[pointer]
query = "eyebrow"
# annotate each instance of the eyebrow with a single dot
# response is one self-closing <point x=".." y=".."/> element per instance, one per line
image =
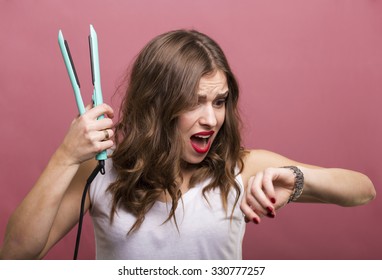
<point x="202" y="97"/>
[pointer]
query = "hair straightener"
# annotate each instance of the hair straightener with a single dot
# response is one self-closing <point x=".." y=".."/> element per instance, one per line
<point x="97" y="100"/>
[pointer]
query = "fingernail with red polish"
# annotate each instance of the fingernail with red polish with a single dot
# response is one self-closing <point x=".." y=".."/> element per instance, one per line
<point x="271" y="215"/>
<point x="270" y="212"/>
<point x="255" y="220"/>
<point x="273" y="200"/>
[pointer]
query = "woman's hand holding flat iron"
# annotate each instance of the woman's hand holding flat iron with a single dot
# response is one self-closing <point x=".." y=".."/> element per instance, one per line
<point x="88" y="136"/>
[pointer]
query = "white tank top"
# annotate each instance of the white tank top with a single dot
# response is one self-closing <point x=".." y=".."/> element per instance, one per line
<point x="205" y="230"/>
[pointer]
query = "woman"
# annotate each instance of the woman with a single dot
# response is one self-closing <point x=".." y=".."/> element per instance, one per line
<point x="178" y="184"/>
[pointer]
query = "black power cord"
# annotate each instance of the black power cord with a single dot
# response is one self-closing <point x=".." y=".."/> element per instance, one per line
<point x="99" y="169"/>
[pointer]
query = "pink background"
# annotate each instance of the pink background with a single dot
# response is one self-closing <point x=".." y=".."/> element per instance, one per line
<point x="310" y="75"/>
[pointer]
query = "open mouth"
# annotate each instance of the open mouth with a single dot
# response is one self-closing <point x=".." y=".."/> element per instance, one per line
<point x="201" y="141"/>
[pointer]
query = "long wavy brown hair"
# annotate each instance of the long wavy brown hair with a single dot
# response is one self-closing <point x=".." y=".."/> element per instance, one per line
<point x="163" y="83"/>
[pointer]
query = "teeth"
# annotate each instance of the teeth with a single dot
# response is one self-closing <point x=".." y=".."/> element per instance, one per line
<point x="203" y="136"/>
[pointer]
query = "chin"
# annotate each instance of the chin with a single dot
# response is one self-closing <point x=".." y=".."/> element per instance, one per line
<point x="193" y="160"/>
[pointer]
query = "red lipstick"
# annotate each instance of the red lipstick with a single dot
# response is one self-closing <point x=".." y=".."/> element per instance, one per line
<point x="201" y="141"/>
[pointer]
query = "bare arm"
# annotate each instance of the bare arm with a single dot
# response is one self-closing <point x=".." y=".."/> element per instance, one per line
<point x="47" y="213"/>
<point x="51" y="208"/>
<point x="269" y="187"/>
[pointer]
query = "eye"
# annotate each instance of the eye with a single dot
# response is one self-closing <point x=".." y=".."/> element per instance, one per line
<point x="219" y="103"/>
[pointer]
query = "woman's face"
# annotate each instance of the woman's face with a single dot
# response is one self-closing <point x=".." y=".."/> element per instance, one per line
<point x="200" y="125"/>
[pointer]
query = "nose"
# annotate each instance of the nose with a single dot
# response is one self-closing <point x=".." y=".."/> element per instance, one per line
<point x="208" y="116"/>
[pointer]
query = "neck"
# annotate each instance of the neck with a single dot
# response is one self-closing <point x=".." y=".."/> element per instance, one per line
<point x="187" y="169"/>
<point x="186" y="172"/>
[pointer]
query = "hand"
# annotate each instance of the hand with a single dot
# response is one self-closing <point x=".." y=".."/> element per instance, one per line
<point x="266" y="192"/>
<point x="86" y="136"/>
